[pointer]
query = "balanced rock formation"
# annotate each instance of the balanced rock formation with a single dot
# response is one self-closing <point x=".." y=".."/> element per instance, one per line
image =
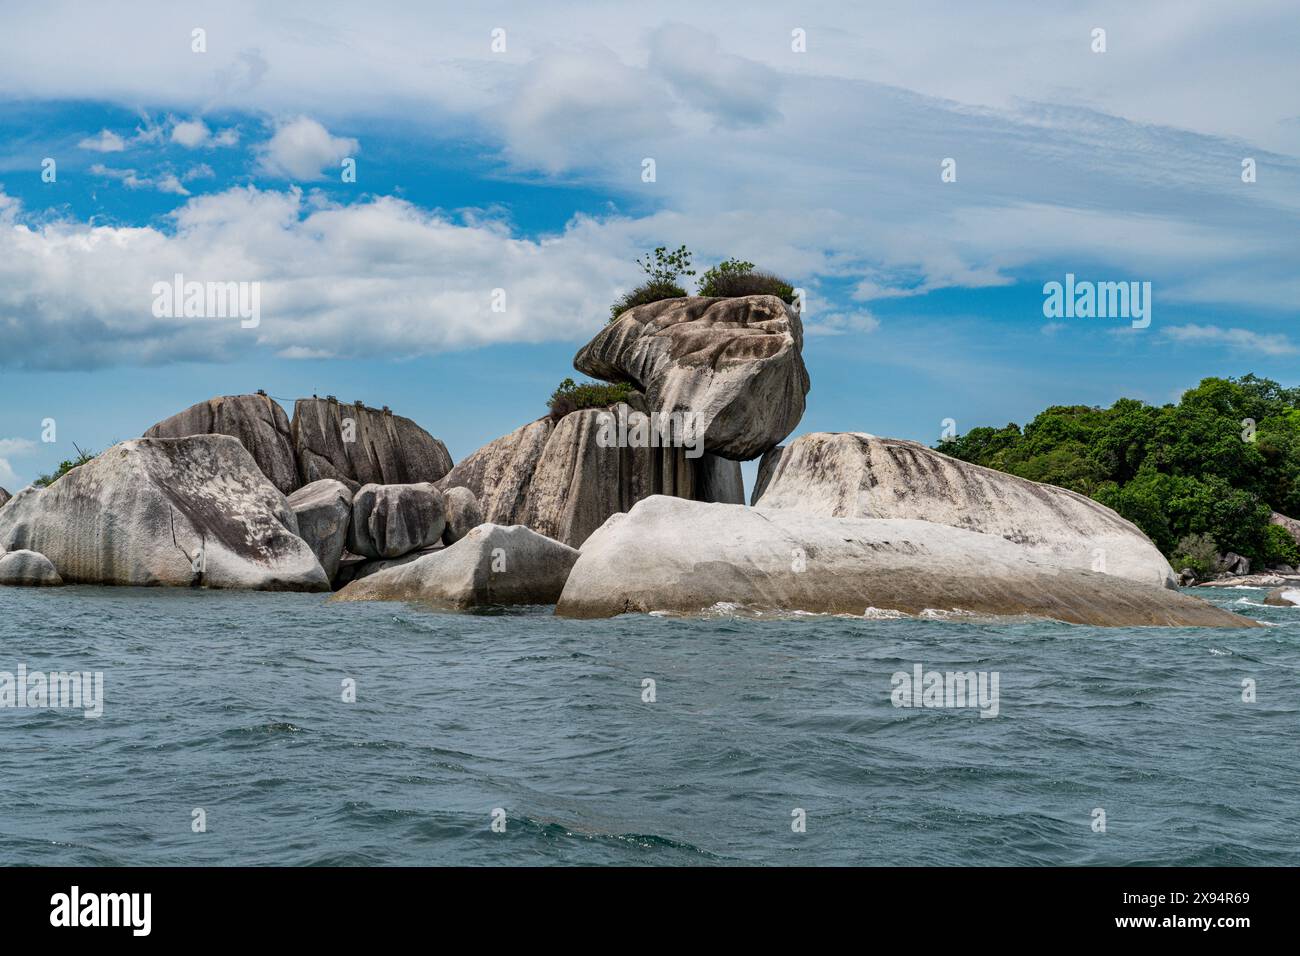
<point x="257" y="421"/>
<point x="28" y="569"/>
<point x="324" y="513"/>
<point x="359" y="445"/>
<point x="560" y="479"/>
<point x="855" y="475"/>
<point x="463" y="514"/>
<point x="1285" y="596"/>
<point x="736" y="363"/>
<point x="389" y="521"/>
<point x="679" y="556"/>
<point x="490" y="565"/>
<point x="166" y="511"/>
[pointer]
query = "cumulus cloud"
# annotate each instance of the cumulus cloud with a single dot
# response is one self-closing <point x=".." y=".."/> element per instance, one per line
<point x="10" y="448"/>
<point x="300" y="148"/>
<point x="376" y="278"/>
<point x="190" y="133"/>
<point x="733" y="90"/>
<point x="106" y="142"/>
<point x="840" y="323"/>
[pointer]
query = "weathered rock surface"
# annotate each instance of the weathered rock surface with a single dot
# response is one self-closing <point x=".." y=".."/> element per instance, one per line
<point x="389" y="521"/>
<point x="146" y="511"/>
<point x="1290" y="524"/>
<point x="855" y="475"/>
<point x="766" y="465"/>
<point x="258" y="422"/>
<point x="559" y="480"/>
<point x="324" y="513"/>
<point x="4" y="497"/>
<point x="28" y="569"/>
<point x="359" y="445"/>
<point x="369" y="566"/>
<point x="463" y="514"/>
<point x="737" y="363"/>
<point x="1286" y="596"/>
<point x="671" y="555"/>
<point x="1234" y="565"/>
<point x="490" y="565"/>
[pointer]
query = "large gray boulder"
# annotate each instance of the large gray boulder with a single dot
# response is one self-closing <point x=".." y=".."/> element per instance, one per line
<point x="389" y="521"/>
<point x="855" y="475"/>
<point x="166" y="511"/>
<point x="736" y="363"/>
<point x="28" y="569"/>
<point x="679" y="556"/>
<point x="560" y="480"/>
<point x="324" y="513"/>
<point x="463" y="514"/>
<point x="491" y="565"/>
<point x="258" y="422"/>
<point x="359" y="445"/>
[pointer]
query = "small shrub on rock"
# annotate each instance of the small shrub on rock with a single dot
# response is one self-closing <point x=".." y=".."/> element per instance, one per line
<point x="735" y="277"/>
<point x="664" y="268"/>
<point x="574" y="396"/>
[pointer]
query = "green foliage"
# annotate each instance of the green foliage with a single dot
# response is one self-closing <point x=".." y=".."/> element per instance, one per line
<point x="664" y="267"/>
<point x="1215" y="464"/>
<point x="644" y="294"/>
<point x="44" y="481"/>
<point x="1198" y="552"/>
<point x="1280" y="547"/>
<point x="735" y="277"/>
<point x="573" y="396"/>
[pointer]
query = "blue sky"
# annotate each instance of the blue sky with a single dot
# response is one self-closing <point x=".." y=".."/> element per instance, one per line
<point x="522" y="170"/>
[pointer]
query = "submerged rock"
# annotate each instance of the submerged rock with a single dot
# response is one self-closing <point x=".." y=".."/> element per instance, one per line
<point x="679" y="556"/>
<point x="359" y="445"/>
<point x="855" y="475"/>
<point x="463" y="514"/>
<point x="1285" y="596"/>
<point x="736" y="363"/>
<point x="389" y="521"/>
<point x="28" y="569"/>
<point x="166" y="511"/>
<point x="324" y="513"/>
<point x="257" y="421"/>
<point x="490" y="565"/>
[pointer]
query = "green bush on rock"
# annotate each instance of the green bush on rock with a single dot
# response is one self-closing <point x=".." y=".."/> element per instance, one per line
<point x="573" y="396"/>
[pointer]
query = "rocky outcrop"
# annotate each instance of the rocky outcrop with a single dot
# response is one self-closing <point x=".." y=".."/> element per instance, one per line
<point x="463" y="514"/>
<point x="736" y="363"/>
<point x="166" y="511"/>
<point x="679" y="556"/>
<point x="258" y="422"/>
<point x="4" y="497"/>
<point x="389" y="521"/>
<point x="359" y="445"/>
<point x="561" y="481"/>
<point x="28" y="569"/>
<point x="1234" y="565"/>
<point x="766" y="465"/>
<point x="1290" y="524"/>
<point x="1286" y="596"/>
<point x="369" y="566"/>
<point x="324" y="513"/>
<point x="491" y="565"/>
<point x="855" y="475"/>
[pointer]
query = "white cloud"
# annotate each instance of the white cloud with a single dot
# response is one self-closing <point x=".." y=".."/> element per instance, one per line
<point x="11" y="447"/>
<point x="166" y="183"/>
<point x="301" y="147"/>
<point x="190" y="133"/>
<point x="1238" y="339"/>
<point x="839" y="323"/>
<point x="376" y="278"/>
<point x="106" y="142"/>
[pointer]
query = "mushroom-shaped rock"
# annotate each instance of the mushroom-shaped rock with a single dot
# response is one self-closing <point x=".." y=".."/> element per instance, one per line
<point x="166" y="511"/>
<point x="257" y="421"/>
<point x="463" y="514"/>
<point x="360" y="445"/>
<point x="324" y="513"/>
<point x="736" y="364"/>
<point x="389" y="521"/>
<point x="679" y="556"/>
<point x="28" y="569"/>
<point x="490" y="565"/>
<point x="855" y="475"/>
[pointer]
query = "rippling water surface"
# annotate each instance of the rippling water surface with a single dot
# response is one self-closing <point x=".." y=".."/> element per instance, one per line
<point x="231" y="702"/>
